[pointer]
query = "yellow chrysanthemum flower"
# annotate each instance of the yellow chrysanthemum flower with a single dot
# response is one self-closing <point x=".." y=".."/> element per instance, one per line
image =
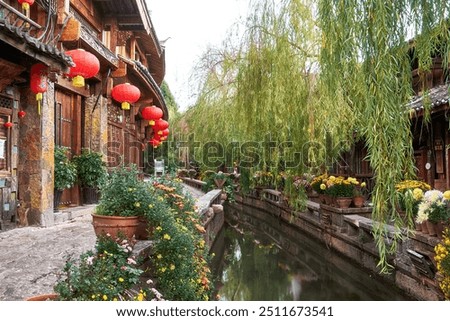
<point x="447" y="195"/>
<point x="121" y="280"/>
<point x="166" y="236"/>
<point x="417" y="194"/>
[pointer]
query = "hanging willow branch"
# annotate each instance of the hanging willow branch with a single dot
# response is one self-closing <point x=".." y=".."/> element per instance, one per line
<point x="271" y="86"/>
<point x="365" y="52"/>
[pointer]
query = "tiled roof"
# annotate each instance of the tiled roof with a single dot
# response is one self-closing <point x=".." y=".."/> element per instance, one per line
<point x="438" y="96"/>
<point x="146" y="73"/>
<point x="46" y="49"/>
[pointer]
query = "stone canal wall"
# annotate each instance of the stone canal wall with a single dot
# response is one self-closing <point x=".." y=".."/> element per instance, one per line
<point x="349" y="232"/>
<point x="210" y="209"/>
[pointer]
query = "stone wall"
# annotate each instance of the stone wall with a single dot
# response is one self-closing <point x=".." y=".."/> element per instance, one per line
<point x="350" y="233"/>
<point x="96" y="124"/>
<point x="36" y="159"/>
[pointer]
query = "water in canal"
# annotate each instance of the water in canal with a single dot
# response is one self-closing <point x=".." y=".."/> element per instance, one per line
<point x="260" y="258"/>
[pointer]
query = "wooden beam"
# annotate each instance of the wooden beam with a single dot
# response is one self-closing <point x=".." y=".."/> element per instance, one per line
<point x="9" y="72"/>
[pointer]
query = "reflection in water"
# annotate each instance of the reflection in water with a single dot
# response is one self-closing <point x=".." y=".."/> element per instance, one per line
<point x="259" y="258"/>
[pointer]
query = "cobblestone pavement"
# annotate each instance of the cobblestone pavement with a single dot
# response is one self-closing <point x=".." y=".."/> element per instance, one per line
<point x="31" y="257"/>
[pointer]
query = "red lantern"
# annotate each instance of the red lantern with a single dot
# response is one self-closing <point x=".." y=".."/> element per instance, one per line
<point x="38" y="82"/>
<point x="86" y="66"/>
<point x="164" y="134"/>
<point x="126" y="94"/>
<point x="154" y="142"/>
<point x="21" y="114"/>
<point x="159" y="126"/>
<point x="151" y="113"/>
<point x="26" y="4"/>
<point x="8" y="124"/>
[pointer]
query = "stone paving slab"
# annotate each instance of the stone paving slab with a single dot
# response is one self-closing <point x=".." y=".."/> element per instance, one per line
<point x="32" y="257"/>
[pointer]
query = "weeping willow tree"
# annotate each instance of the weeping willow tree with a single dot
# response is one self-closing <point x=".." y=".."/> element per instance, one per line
<point x="261" y="94"/>
<point x="366" y="53"/>
<point x="313" y="76"/>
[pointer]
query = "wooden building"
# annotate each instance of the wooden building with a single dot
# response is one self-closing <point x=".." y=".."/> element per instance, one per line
<point x="431" y="138"/>
<point x="120" y="34"/>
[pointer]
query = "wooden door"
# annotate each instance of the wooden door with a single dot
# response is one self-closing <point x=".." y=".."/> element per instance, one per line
<point x="68" y="134"/>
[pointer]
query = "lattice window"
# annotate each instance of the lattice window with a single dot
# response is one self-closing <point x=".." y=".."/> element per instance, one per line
<point x="6" y="102"/>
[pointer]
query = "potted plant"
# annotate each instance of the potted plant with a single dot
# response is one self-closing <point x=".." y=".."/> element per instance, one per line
<point x="358" y="195"/>
<point x="109" y="273"/>
<point x="341" y="189"/>
<point x="433" y="210"/>
<point x="410" y="195"/>
<point x="91" y="171"/>
<point x="124" y="199"/>
<point x="65" y="173"/>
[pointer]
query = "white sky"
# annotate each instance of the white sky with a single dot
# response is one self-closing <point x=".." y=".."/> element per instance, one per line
<point x="192" y="26"/>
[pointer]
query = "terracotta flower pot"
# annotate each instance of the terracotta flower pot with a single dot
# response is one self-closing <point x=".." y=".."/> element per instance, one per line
<point x="116" y="226"/>
<point x="424" y="227"/>
<point x="343" y="202"/>
<point x="439" y="229"/>
<point x="43" y="297"/>
<point x="358" y="201"/>
<point x="431" y="228"/>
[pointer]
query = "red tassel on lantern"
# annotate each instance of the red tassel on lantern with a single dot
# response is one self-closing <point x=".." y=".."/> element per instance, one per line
<point x="126" y="94"/>
<point x="38" y="82"/>
<point x="151" y="113"/>
<point x="86" y="66"/>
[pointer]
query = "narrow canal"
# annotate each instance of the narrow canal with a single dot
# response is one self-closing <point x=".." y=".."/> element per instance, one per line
<point x="258" y="257"/>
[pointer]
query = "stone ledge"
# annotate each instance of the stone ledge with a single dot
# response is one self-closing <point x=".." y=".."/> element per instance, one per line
<point x="68" y="214"/>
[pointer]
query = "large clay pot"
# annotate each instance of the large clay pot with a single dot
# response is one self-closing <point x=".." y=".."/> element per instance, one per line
<point x="43" y="297"/>
<point x="115" y="226"/>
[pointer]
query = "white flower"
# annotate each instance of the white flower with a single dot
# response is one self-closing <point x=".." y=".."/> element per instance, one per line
<point x="433" y="196"/>
<point x="421" y="217"/>
<point x="90" y="260"/>
<point x="131" y="261"/>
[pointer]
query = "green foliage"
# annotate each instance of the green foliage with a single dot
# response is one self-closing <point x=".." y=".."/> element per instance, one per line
<point x="366" y="56"/>
<point x="180" y="256"/>
<point x="90" y="168"/>
<point x="442" y="258"/>
<point x="108" y="273"/>
<point x="65" y="170"/>
<point x="123" y="194"/>
<point x="322" y="83"/>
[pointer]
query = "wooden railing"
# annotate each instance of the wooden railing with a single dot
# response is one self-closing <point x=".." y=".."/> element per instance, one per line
<point x="11" y="17"/>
